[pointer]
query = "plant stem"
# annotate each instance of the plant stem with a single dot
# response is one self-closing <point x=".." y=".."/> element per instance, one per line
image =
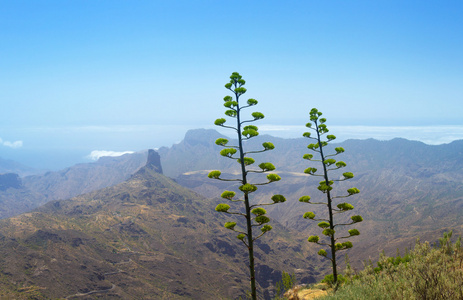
<point x="246" y="203"/>
<point x="330" y="211"/>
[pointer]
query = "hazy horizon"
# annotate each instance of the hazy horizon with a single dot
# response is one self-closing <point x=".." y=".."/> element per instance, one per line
<point x="57" y="159"/>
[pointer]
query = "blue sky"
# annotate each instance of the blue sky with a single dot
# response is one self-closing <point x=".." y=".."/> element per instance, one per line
<point x="79" y="76"/>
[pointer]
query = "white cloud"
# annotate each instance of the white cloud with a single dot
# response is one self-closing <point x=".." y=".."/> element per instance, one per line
<point x="96" y="154"/>
<point x="14" y="145"/>
<point x="432" y="135"/>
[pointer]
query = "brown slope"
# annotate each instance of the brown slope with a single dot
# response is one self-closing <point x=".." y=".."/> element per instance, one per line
<point x="146" y="238"/>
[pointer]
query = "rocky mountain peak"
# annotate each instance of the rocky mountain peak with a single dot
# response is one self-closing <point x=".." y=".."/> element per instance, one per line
<point x="205" y="137"/>
<point x="154" y="161"/>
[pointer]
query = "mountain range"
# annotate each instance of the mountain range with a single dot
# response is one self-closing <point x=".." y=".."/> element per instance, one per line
<point x="143" y="225"/>
<point x="408" y="189"/>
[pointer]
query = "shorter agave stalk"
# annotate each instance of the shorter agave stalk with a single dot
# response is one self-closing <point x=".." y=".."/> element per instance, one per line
<point x="328" y="164"/>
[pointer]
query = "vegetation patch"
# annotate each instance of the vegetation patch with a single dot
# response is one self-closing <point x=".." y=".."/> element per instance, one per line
<point x="426" y="272"/>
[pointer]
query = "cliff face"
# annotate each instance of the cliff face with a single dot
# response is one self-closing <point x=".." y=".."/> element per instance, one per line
<point x="154" y="161"/>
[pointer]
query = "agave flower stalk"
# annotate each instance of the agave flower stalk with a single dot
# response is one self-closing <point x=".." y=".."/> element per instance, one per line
<point x="328" y="226"/>
<point x="254" y="214"/>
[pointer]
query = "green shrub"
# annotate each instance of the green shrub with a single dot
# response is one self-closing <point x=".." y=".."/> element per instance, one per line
<point x="425" y="272"/>
<point x="286" y="283"/>
<point x="329" y="279"/>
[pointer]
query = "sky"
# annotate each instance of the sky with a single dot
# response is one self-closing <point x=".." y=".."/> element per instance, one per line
<point x="81" y="77"/>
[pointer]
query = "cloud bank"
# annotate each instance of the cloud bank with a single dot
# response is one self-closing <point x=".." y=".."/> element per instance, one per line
<point x="96" y="154"/>
<point x="14" y="145"/>
<point x="431" y="135"/>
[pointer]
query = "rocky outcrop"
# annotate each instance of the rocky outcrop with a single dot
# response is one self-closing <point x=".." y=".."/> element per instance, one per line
<point x="154" y="161"/>
<point x="301" y="292"/>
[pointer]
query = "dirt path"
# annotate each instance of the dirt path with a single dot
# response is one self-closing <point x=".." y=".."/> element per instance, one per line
<point x="91" y="292"/>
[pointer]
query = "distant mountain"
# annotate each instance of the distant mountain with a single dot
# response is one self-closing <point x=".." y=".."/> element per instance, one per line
<point x="145" y="238"/>
<point x="86" y="177"/>
<point x="408" y="188"/>
<point x="23" y="194"/>
<point x="10" y="166"/>
<point x="197" y="151"/>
